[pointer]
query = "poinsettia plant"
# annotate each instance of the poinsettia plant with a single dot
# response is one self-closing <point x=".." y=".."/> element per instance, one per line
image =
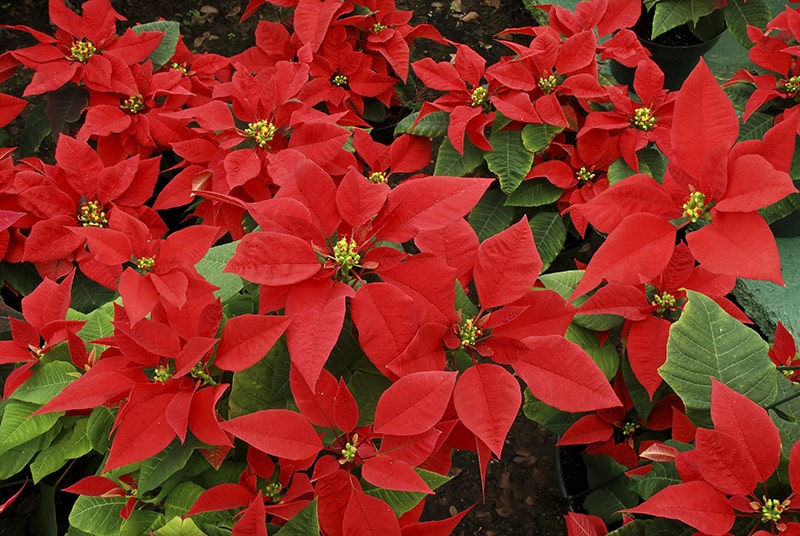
<point x="302" y="350"/>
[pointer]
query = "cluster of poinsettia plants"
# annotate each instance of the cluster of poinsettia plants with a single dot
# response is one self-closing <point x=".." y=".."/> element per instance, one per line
<point x="239" y="313"/>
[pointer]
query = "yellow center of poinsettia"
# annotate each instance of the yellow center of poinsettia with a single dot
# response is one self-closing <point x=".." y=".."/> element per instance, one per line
<point x="479" y="95"/>
<point x="377" y="177"/>
<point x="146" y="264"/>
<point x="583" y="175"/>
<point x="771" y="510"/>
<point x="548" y="84"/>
<point x="339" y="80"/>
<point x="180" y="67"/>
<point x="91" y="214"/>
<point x="695" y="207"/>
<point x="643" y="119"/>
<point x="82" y="50"/>
<point x="133" y="104"/>
<point x="790" y="86"/>
<point x="345" y="253"/>
<point x="378" y="27"/>
<point x="349" y="451"/>
<point x="263" y="131"/>
<point x="161" y="374"/>
<point x="629" y="428"/>
<point x="469" y="333"/>
<point x="664" y="301"/>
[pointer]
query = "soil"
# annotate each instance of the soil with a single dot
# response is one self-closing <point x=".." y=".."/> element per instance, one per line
<point x="521" y="496"/>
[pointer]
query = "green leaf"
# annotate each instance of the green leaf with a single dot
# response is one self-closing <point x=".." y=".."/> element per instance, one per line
<point x="490" y="215"/>
<point x="537" y="137"/>
<point x="179" y="526"/>
<point x="742" y="13"/>
<point x="98" y="323"/>
<point x="43" y="518"/>
<point x="141" y="522"/>
<point x="779" y="210"/>
<point x="756" y="126"/>
<point x="367" y="388"/>
<point x="155" y="470"/>
<point x="562" y="282"/>
<point x="668" y="15"/>
<point x="661" y="476"/>
<point x="37" y="128"/>
<point x="555" y="420"/>
<point x="606" y="356"/>
<point x="549" y="233"/>
<point x="451" y="164"/>
<point x="706" y="342"/>
<point x="22" y="277"/>
<point x="18" y="427"/>
<point x="464" y="303"/>
<point x="403" y="501"/>
<point x="252" y="388"/>
<point x="71" y="444"/>
<point x="211" y="266"/>
<point x="165" y="50"/>
<point x="431" y="126"/>
<point x="48" y="380"/>
<point x="612" y="491"/>
<point x="98" y="515"/>
<point x="66" y="105"/>
<point x="303" y="523"/>
<point x="534" y="193"/>
<point x="99" y="428"/>
<point x="88" y="295"/>
<point x="510" y="160"/>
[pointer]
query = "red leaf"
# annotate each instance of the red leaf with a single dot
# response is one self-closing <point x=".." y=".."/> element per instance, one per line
<point x="724" y="464"/>
<point x="588" y="429"/>
<point x="369" y="516"/>
<point x="345" y="408"/>
<point x="739" y="244"/>
<point x="456" y="244"/>
<point x="696" y="503"/>
<point x="704" y="119"/>
<point x="220" y="497"/>
<point x="203" y="420"/>
<point x="443" y="527"/>
<point x="313" y="187"/>
<point x="637" y="250"/>
<point x="10" y="500"/>
<point x="273" y="259"/>
<point x="142" y="432"/>
<point x="358" y="200"/>
<point x="507" y="265"/>
<point x="584" y="525"/>
<point x="487" y="398"/>
<point x="246" y="339"/>
<point x="96" y="486"/>
<point x="388" y="473"/>
<point x="414" y="403"/>
<point x="312" y="19"/>
<point x="794" y="467"/>
<point x="426" y="204"/>
<point x="254" y="519"/>
<point x="753" y="184"/>
<point x="615" y="299"/>
<point x="320" y="141"/>
<point x="316" y="405"/>
<point x="561" y="374"/>
<point x="277" y="432"/>
<point x="750" y="424"/>
<point x="107" y="245"/>
<point x="10" y="107"/>
<point x="318" y="307"/>
<point x="647" y="350"/>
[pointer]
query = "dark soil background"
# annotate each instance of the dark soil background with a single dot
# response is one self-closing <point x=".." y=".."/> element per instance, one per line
<point x="521" y="494"/>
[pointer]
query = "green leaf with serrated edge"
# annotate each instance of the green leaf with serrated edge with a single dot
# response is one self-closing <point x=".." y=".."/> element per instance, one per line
<point x="537" y="137"/>
<point x="72" y="443"/>
<point x="564" y="283"/>
<point x="178" y="526"/>
<point x="251" y="388"/>
<point x="490" y="216"/>
<point x="549" y="233"/>
<point x="777" y="211"/>
<point x="98" y="515"/>
<point x="451" y="164"/>
<point x="611" y="490"/>
<point x="36" y="129"/>
<point x="639" y="395"/>
<point x="345" y="354"/>
<point x="739" y="14"/>
<point x="166" y="49"/>
<point x="367" y="388"/>
<point x="304" y="522"/>
<point x="141" y="522"/>
<point x="431" y="126"/>
<point x="99" y="428"/>
<point x="22" y="277"/>
<point x="706" y="342"/>
<point x="598" y="322"/>
<point x="668" y="15"/>
<point x="464" y="303"/>
<point x="534" y="193"/>
<point x="403" y="501"/>
<point x="155" y="470"/>
<point x="48" y="380"/>
<point x="555" y="420"/>
<point x="211" y="266"/>
<point x="17" y="458"/>
<point x="18" y="427"/>
<point x="756" y="126"/>
<point x="606" y="356"/>
<point x="181" y="498"/>
<point x="98" y="323"/>
<point x="661" y="476"/>
<point x="66" y="105"/>
<point x="510" y="160"/>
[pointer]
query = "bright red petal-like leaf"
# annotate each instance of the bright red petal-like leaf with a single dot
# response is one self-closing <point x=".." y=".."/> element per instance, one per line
<point x="107" y="245"/>
<point x="507" y="265"/>
<point x="96" y="486"/>
<point x="637" y="250"/>
<point x="143" y="432"/>
<point x="273" y="259"/>
<point x="312" y="19"/>
<point x="278" y="432"/>
<point x="794" y="467"/>
<point x="316" y="405"/>
<point x="703" y="120"/>
<point x="456" y="244"/>
<point x="14" y="497"/>
<point x="696" y="503"/>
<point x="443" y="527"/>
<point x="487" y="398"/>
<point x="647" y="350"/>
<point x="358" y="200"/>
<point x="750" y="424"/>
<point x="584" y="525"/>
<point x="345" y="408"/>
<point x="247" y="338"/>
<point x="203" y="419"/>
<point x="220" y="497"/>
<point x="254" y="519"/>
<point x="414" y="403"/>
<point x="426" y="204"/>
<point x="10" y="107"/>
<point x="753" y="184"/>
<point x="724" y="464"/>
<point x="138" y="293"/>
<point x="389" y="473"/>
<point x="369" y="516"/>
<point x="561" y="374"/>
<point x="588" y="429"/>
<point x="739" y="244"/>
